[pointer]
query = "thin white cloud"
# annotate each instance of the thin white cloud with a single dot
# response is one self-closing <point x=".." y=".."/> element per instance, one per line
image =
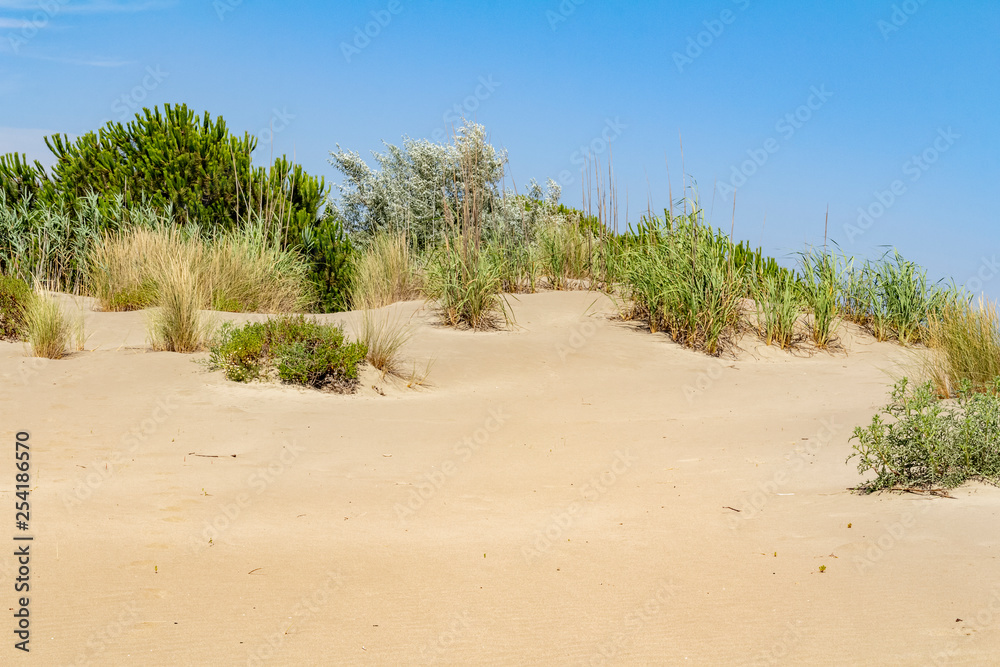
<point x="88" y="62"/>
<point x="13" y="24"/>
<point x="91" y="7"/>
<point x="29" y="141"/>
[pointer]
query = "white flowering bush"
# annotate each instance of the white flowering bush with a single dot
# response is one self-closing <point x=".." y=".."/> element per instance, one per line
<point x="415" y="183"/>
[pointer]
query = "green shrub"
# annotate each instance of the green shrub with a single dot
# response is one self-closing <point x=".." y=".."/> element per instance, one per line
<point x="331" y="255"/>
<point x="927" y="443"/>
<point x="15" y="296"/>
<point x="295" y="349"/>
<point x="178" y="161"/>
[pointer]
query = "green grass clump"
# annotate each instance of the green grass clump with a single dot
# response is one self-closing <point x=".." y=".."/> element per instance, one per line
<point x="822" y="278"/>
<point x="565" y="251"/>
<point x="467" y="285"/>
<point x="893" y="299"/>
<point x="926" y="443"/>
<point x="294" y="349"/>
<point x="779" y="302"/>
<point x="517" y="262"/>
<point x="15" y="296"/>
<point x="47" y="329"/>
<point x="680" y="276"/>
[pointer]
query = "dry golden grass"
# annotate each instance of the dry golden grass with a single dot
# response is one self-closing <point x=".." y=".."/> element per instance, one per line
<point x="177" y="325"/>
<point x="384" y="335"/>
<point x="965" y="344"/>
<point x="240" y="271"/>
<point x="386" y="272"/>
<point x="47" y="329"/>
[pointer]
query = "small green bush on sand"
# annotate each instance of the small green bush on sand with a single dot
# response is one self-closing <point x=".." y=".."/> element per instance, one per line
<point x="926" y="443"/>
<point x="295" y="349"/>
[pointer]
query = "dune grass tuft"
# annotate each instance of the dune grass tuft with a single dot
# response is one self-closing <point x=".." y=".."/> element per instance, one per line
<point x="779" y="304"/>
<point x="965" y="347"/>
<point x="384" y="337"/>
<point x="125" y="266"/>
<point x="680" y="276"/>
<point x="565" y="253"/>
<point x="47" y="329"/>
<point x="242" y="270"/>
<point x="15" y="295"/>
<point x="468" y="288"/>
<point x="823" y="288"/>
<point x="386" y="272"/>
<point x="177" y="324"/>
<point x="893" y="299"/>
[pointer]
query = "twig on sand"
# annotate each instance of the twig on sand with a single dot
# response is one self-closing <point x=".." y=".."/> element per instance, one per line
<point x="940" y="493"/>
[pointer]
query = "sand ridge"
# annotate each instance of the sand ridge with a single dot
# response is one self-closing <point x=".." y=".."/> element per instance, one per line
<point x="568" y="491"/>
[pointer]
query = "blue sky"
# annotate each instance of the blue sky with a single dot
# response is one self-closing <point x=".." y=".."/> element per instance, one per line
<point x="887" y="109"/>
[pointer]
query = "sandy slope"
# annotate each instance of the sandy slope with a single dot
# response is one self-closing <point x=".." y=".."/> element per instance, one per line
<point x="556" y="497"/>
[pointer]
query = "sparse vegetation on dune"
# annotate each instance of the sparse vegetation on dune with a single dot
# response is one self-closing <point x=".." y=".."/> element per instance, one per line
<point x="294" y="349"/>
<point x="920" y="442"/>
<point x="437" y="221"/>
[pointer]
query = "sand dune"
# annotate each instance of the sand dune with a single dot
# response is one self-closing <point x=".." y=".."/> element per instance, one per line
<point x="571" y="491"/>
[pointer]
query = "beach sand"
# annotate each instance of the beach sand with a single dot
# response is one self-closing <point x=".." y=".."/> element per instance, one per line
<point x="573" y="490"/>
